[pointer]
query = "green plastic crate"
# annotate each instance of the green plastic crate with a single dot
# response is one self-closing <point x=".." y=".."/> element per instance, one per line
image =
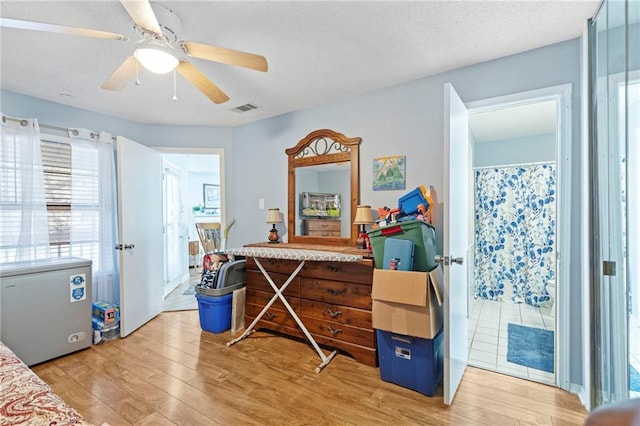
<point x="423" y="236"/>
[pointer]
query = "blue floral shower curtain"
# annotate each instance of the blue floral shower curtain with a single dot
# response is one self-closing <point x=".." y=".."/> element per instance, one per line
<point x="515" y="231"/>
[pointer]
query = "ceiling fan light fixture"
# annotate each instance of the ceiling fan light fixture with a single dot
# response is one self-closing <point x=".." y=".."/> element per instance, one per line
<point x="156" y="59"/>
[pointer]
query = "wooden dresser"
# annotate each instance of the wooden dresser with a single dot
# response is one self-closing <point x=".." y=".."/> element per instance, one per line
<point x="321" y="227"/>
<point x="333" y="300"/>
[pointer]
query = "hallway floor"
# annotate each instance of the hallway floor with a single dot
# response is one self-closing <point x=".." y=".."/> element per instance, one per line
<point x="487" y="335"/>
<point x="177" y="301"/>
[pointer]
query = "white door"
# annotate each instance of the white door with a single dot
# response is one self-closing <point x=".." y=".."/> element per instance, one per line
<point x="140" y="233"/>
<point x="174" y="241"/>
<point x="456" y="238"/>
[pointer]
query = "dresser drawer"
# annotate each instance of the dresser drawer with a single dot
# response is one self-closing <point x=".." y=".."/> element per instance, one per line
<point x="321" y="225"/>
<point x="323" y="233"/>
<point x="336" y="313"/>
<point x="273" y="265"/>
<point x="261" y="298"/>
<point x="336" y="293"/>
<point x="257" y="281"/>
<point x="338" y="331"/>
<point x="273" y="315"/>
<point x="354" y="272"/>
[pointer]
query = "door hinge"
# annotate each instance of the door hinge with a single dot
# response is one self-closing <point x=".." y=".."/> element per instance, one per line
<point x="609" y="268"/>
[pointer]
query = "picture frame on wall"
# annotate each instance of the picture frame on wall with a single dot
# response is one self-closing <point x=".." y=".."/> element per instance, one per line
<point x="389" y="173"/>
<point x="210" y="196"/>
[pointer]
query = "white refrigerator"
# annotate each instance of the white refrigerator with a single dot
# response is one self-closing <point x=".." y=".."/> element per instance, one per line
<point x="45" y="307"/>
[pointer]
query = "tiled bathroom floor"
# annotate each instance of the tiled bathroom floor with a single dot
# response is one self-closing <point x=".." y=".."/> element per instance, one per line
<point x="634" y="349"/>
<point x="487" y="334"/>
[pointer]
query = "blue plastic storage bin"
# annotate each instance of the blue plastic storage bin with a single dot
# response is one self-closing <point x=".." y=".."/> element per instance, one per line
<point x="215" y="312"/>
<point x="411" y="362"/>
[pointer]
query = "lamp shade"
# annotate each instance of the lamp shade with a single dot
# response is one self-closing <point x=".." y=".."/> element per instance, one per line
<point x="156" y="59"/>
<point x="363" y="216"/>
<point x="273" y="216"/>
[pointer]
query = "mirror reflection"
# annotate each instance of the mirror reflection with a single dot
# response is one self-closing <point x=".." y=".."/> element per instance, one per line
<point x="322" y="204"/>
<point x="323" y="189"/>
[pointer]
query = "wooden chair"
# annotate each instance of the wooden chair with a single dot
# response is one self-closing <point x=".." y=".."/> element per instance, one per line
<point x="209" y="234"/>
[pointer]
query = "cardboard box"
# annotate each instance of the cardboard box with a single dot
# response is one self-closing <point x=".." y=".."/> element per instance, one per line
<point x="106" y="312"/>
<point x="408" y="302"/>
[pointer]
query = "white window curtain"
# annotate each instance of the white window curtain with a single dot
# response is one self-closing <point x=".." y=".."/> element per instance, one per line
<point x="23" y="220"/>
<point x="93" y="209"/>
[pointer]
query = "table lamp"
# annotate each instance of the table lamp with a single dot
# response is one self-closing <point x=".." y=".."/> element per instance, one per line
<point x="273" y="217"/>
<point x="363" y="217"/>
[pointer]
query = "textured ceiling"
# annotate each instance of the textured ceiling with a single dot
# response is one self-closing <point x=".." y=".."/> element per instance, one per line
<point x="317" y="51"/>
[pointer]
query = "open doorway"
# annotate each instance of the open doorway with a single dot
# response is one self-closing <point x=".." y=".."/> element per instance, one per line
<point x="513" y="298"/>
<point x="193" y="193"/>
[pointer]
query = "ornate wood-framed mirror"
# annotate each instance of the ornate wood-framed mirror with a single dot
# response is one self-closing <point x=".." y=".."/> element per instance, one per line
<point x="324" y="189"/>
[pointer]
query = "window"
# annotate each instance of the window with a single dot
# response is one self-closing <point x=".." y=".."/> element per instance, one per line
<point x="56" y="163"/>
<point x="71" y="190"/>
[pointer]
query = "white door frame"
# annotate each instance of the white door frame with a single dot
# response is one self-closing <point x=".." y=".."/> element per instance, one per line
<point x="170" y="283"/>
<point x="205" y="151"/>
<point x="562" y="94"/>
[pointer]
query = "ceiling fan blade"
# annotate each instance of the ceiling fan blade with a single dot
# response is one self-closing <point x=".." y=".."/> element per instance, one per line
<point x="226" y="56"/>
<point x="195" y="77"/>
<point x="120" y="77"/>
<point x="142" y="14"/>
<point x="52" y="28"/>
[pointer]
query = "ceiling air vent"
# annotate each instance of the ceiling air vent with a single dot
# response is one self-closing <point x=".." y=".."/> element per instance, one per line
<point x="245" y="108"/>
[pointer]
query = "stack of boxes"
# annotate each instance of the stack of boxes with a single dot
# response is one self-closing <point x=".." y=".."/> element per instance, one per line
<point x="407" y="308"/>
<point x="105" y="320"/>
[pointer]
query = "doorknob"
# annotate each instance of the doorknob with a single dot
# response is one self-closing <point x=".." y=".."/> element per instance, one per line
<point x="441" y="259"/>
<point x="125" y="246"/>
<point x="448" y="260"/>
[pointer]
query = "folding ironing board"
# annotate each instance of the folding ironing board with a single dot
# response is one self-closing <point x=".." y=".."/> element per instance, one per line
<point x="289" y="254"/>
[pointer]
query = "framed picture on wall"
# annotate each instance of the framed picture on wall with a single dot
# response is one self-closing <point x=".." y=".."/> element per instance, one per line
<point x="389" y="173"/>
<point x="211" y="196"/>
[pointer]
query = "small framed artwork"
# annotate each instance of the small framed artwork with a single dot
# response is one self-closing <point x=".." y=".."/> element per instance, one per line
<point x="389" y="173"/>
<point x="211" y="196"/>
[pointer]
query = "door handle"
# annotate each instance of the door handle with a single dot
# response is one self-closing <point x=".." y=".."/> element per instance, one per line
<point x="448" y="260"/>
<point x="125" y="246"/>
<point x="441" y="259"/>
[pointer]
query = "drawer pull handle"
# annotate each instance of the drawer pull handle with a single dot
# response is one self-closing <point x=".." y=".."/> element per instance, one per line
<point x="334" y="314"/>
<point x="333" y="268"/>
<point x="333" y="332"/>
<point x="270" y="261"/>
<point x="336" y="292"/>
<point x="270" y="315"/>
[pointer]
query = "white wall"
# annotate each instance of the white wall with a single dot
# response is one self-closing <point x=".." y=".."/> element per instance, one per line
<point x="534" y="149"/>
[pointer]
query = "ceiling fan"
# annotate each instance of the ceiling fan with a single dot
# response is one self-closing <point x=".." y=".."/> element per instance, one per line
<point x="159" y="49"/>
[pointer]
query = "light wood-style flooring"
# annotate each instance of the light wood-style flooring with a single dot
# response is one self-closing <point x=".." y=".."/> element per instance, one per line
<point x="169" y="372"/>
<point x="177" y="300"/>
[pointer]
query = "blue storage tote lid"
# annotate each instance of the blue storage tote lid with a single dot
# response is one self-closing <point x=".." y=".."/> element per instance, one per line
<point x="408" y="203"/>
